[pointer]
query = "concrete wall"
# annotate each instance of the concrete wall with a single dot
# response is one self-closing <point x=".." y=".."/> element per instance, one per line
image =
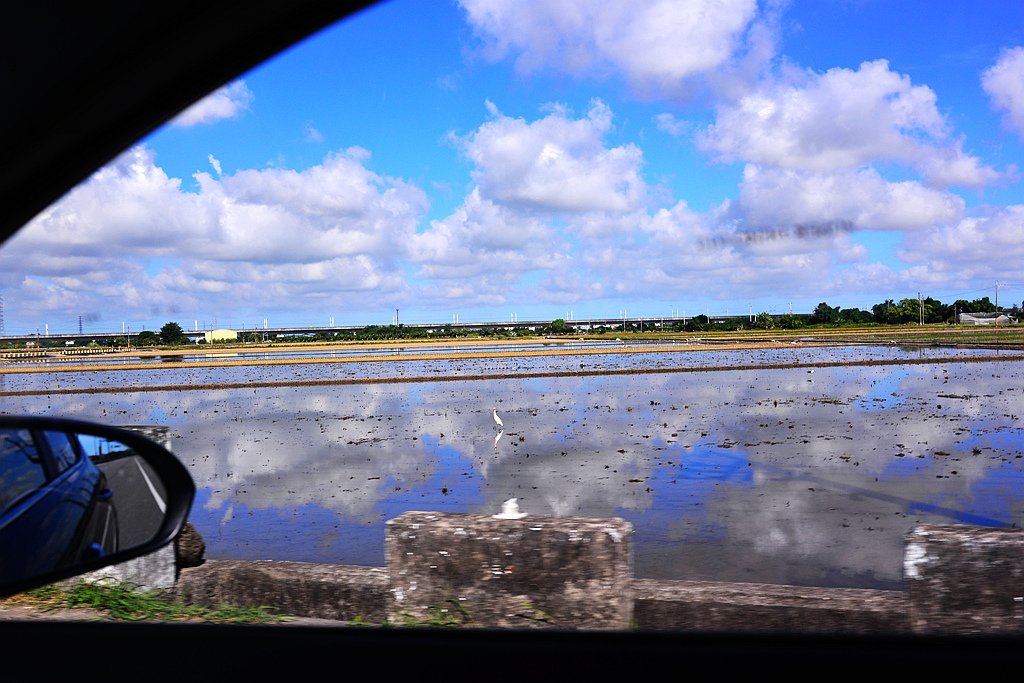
<point x="473" y="570"/>
<point x="964" y="580"/>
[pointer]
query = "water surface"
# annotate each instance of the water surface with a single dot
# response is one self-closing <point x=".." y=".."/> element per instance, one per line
<point x="777" y="476"/>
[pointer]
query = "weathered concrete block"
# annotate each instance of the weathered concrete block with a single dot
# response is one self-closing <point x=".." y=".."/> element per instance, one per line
<point x="965" y="579"/>
<point x="766" y="608"/>
<point x="156" y="571"/>
<point x="322" y="591"/>
<point x="534" y="572"/>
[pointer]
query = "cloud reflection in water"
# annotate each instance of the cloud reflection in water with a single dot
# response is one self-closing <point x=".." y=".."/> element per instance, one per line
<point x="755" y="475"/>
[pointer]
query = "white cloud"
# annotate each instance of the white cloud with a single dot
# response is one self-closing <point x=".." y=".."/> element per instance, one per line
<point x="977" y="248"/>
<point x="657" y="43"/>
<point x="131" y="238"/>
<point x="1004" y="83"/>
<point x="482" y="251"/>
<point x="678" y="253"/>
<point x="667" y="123"/>
<point x="773" y="198"/>
<point x="843" y="119"/>
<point x="226" y="102"/>
<point x="556" y="163"/>
<point x="215" y="164"/>
<point x="950" y="166"/>
<point x="312" y="134"/>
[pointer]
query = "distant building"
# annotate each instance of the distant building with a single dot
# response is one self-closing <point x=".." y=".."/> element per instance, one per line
<point x="985" y="319"/>
<point x="220" y="335"/>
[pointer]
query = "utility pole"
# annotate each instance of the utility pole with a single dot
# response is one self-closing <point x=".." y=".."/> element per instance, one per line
<point x="997" y="305"/>
<point x="920" y="309"/>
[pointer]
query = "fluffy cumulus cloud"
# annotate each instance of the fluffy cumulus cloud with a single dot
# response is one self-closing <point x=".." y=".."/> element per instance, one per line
<point x="975" y="248"/>
<point x="843" y="119"/>
<point x="710" y="253"/>
<point x="559" y="216"/>
<point x="556" y="163"/>
<point x="773" y="198"/>
<point x="1004" y="83"/>
<point x="131" y="203"/>
<point x="668" y="123"/>
<point x="489" y="244"/>
<point x="223" y="103"/>
<point x="482" y="252"/>
<point x="132" y="237"/>
<point x="656" y="43"/>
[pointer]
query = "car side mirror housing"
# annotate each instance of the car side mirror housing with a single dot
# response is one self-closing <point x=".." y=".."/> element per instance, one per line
<point x="76" y="496"/>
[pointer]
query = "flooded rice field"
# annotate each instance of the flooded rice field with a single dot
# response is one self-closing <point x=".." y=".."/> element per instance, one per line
<point x="233" y="369"/>
<point x="795" y="475"/>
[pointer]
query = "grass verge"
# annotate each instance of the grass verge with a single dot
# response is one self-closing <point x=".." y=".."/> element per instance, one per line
<point x="124" y="601"/>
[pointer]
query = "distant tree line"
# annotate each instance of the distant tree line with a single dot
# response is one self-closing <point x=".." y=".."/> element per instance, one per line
<point x="888" y="312"/>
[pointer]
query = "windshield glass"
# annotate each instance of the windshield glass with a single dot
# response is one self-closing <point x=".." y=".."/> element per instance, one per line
<point x="741" y="274"/>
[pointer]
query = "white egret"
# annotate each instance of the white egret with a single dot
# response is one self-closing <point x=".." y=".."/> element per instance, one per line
<point x="497" y="420"/>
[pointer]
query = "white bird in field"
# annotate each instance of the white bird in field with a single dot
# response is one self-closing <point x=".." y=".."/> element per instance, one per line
<point x="497" y="420"/>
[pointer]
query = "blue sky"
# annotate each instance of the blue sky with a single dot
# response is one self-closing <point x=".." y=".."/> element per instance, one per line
<point x="497" y="159"/>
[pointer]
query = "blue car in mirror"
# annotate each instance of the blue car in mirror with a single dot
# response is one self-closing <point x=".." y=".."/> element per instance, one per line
<point x="77" y="496"/>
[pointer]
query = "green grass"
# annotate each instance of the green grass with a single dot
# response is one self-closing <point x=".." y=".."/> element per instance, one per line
<point x="124" y="601"/>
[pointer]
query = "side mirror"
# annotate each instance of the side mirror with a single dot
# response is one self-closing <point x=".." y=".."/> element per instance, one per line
<point x="76" y="496"/>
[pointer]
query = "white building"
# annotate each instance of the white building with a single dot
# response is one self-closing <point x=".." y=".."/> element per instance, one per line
<point x="220" y="335"/>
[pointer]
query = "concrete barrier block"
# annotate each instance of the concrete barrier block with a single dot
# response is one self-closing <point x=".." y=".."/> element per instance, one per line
<point x="965" y="579"/>
<point x="323" y="591"/>
<point x="533" y="572"/>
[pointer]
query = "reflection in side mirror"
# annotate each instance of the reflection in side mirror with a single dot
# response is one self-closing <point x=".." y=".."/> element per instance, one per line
<point x="77" y="496"/>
